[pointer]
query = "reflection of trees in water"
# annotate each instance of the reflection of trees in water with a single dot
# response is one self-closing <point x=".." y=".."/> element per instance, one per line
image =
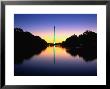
<point x="88" y="54"/>
<point x="20" y="56"/>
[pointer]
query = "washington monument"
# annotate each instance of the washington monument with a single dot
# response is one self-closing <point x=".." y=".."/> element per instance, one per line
<point x="54" y="35"/>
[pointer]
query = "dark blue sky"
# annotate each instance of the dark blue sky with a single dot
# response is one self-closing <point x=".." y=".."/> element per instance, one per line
<point x="66" y="24"/>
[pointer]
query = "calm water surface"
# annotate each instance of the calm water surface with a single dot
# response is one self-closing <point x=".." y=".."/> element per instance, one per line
<point x="56" y="61"/>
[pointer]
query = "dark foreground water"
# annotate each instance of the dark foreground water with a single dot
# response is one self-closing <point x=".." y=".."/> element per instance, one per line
<point x="56" y="61"/>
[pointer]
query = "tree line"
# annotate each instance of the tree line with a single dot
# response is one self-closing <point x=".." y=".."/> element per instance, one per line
<point x="26" y="44"/>
<point x="87" y="39"/>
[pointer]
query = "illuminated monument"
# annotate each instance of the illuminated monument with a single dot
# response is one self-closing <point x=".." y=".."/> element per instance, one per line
<point x="54" y="35"/>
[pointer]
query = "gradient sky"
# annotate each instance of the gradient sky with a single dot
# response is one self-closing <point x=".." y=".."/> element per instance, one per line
<point x="66" y="24"/>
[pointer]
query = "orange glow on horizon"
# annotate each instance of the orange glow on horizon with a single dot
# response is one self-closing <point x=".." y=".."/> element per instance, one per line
<point x="60" y="35"/>
<point x="49" y="37"/>
<point x="58" y="39"/>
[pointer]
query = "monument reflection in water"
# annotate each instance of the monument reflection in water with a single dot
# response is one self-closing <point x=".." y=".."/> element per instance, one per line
<point x="56" y="61"/>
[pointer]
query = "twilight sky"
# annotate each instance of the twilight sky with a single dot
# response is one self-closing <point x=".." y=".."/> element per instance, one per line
<point x="66" y="24"/>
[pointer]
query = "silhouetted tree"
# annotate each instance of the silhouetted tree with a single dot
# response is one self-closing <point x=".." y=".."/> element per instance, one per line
<point x="71" y="41"/>
<point x="88" y="38"/>
<point x="26" y="44"/>
<point x="85" y="45"/>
